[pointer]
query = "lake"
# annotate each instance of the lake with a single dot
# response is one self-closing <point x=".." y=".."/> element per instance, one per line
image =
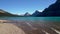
<point x="31" y="18"/>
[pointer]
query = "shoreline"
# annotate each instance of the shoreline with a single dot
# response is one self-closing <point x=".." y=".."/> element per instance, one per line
<point x="8" y="21"/>
<point x="4" y="20"/>
<point x="38" y="27"/>
<point x="8" y="28"/>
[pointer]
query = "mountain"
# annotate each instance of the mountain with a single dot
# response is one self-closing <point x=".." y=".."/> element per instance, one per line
<point x="4" y="13"/>
<point x="37" y="13"/>
<point x="26" y="14"/>
<point x="53" y="9"/>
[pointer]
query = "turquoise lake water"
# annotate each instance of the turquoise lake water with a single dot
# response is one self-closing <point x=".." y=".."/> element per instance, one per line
<point x="31" y="18"/>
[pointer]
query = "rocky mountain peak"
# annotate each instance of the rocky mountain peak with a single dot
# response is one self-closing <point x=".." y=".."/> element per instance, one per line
<point x="26" y="14"/>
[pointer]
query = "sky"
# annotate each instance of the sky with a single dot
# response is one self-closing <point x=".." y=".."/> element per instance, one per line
<point x="23" y="6"/>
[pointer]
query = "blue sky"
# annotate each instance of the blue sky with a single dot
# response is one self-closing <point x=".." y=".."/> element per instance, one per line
<point x="23" y="6"/>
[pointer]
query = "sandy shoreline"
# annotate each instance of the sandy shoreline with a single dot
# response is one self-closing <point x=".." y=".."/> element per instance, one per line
<point x="37" y="27"/>
<point x="8" y="28"/>
<point x="5" y="21"/>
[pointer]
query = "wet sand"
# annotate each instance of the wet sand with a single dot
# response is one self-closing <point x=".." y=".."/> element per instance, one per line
<point x="37" y="27"/>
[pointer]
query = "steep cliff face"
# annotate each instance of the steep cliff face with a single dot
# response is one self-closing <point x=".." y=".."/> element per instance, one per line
<point x="53" y="10"/>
